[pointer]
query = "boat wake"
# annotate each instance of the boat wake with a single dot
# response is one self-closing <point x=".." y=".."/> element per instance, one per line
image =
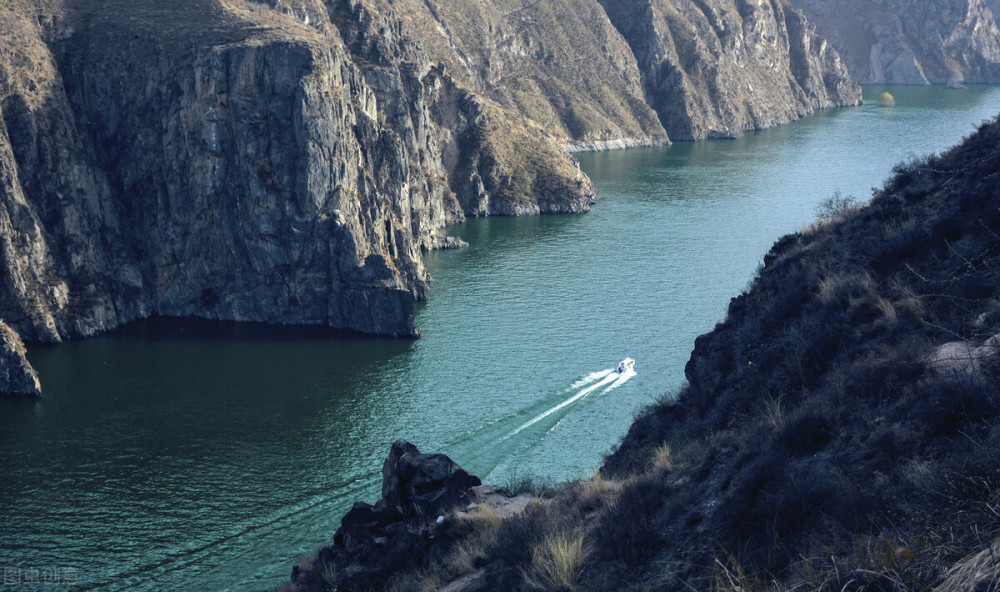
<point x="590" y="378"/>
<point x="484" y="450"/>
<point x="608" y="378"/>
<point x="622" y="379"/>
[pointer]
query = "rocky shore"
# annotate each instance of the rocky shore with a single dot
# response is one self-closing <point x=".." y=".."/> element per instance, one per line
<point x="17" y="377"/>
<point x="427" y="500"/>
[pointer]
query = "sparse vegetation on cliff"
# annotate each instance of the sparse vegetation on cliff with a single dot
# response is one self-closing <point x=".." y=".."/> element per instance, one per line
<point x="839" y="430"/>
<point x="902" y="42"/>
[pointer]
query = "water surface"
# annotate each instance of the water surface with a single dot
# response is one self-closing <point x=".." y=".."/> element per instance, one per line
<point x="175" y="456"/>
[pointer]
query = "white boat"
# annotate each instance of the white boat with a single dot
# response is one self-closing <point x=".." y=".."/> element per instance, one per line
<point x="625" y="365"/>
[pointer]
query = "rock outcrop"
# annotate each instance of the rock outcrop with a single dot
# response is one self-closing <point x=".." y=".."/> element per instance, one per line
<point x="287" y="161"/>
<point x="417" y="491"/>
<point x="904" y="42"/>
<point x="719" y="68"/>
<point x="17" y="377"/>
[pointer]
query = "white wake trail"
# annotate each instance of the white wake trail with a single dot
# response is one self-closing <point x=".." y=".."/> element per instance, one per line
<point x="622" y="379"/>
<point x="590" y="378"/>
<point x="609" y="377"/>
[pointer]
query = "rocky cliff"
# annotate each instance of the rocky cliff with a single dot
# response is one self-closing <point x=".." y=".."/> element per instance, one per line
<point x="17" y="377"/>
<point x="904" y="42"/>
<point x="560" y="63"/>
<point x="718" y="68"/>
<point x="228" y="161"/>
<point x="287" y="161"/>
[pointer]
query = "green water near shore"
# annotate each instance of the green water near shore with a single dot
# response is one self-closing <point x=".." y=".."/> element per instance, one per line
<point x="181" y="456"/>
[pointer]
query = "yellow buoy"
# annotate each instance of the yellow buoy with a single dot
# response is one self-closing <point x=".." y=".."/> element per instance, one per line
<point x="886" y="100"/>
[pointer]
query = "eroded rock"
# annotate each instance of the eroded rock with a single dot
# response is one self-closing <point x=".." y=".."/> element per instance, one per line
<point x="901" y="42"/>
<point x="17" y="377"/>
<point x="722" y="67"/>
<point x="418" y="490"/>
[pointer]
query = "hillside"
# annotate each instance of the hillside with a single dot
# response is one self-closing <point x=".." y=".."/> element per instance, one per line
<point x="839" y="432"/>
<point x="903" y="42"/>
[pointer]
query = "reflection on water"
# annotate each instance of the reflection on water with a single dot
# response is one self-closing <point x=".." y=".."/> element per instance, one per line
<point x="179" y="455"/>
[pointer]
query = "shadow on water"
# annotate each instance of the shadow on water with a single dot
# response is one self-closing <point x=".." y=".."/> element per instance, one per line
<point x="169" y="328"/>
<point x="201" y="442"/>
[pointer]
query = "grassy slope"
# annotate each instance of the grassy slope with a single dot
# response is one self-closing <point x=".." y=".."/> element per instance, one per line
<point x="827" y="440"/>
<point x="826" y="435"/>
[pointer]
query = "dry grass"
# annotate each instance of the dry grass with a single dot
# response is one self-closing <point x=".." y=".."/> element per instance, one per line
<point x="483" y="518"/>
<point x="329" y="573"/>
<point x="980" y="571"/>
<point x="663" y="457"/>
<point x="469" y="555"/>
<point x="886" y="310"/>
<point x="730" y="576"/>
<point x="557" y="563"/>
<point x="598" y="486"/>
<point x="773" y="411"/>
<point x="840" y="287"/>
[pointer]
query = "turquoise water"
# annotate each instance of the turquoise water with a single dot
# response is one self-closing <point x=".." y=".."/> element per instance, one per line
<point x="180" y="456"/>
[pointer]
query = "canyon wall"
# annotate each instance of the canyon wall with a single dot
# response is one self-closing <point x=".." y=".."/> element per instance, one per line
<point x="287" y="161"/>
<point x="905" y="42"/>
<point x="719" y="68"/>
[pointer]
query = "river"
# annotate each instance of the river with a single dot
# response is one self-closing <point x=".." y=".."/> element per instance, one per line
<point x="190" y="456"/>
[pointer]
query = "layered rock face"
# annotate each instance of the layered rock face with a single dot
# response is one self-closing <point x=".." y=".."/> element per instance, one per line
<point x="718" y="68"/>
<point x="905" y="42"/>
<point x="560" y="63"/>
<point x="231" y="162"/>
<point x="287" y="161"/>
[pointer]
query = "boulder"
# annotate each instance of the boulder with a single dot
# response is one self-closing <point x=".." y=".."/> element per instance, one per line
<point x="416" y="489"/>
<point x="421" y="485"/>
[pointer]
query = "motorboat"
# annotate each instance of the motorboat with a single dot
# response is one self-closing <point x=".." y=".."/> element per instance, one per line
<point x="625" y="365"/>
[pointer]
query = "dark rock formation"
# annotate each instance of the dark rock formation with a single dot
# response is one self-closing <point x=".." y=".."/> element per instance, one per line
<point x="719" y="68"/>
<point x="417" y="488"/>
<point x="853" y="386"/>
<point x="416" y="485"/>
<point x="899" y="41"/>
<point x="17" y="377"/>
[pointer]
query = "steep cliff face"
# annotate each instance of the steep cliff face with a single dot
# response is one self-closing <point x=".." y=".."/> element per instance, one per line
<point x="286" y="161"/>
<point x="559" y="63"/>
<point x="229" y="161"/>
<point x="898" y="41"/>
<point x="494" y="158"/>
<point x="718" y="68"/>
